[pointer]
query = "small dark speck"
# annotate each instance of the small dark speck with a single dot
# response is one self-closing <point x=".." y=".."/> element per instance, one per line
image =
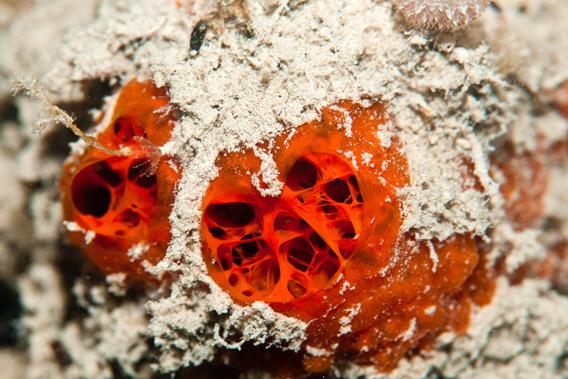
<point x="496" y="6"/>
<point x="197" y="36"/>
<point x="61" y="355"/>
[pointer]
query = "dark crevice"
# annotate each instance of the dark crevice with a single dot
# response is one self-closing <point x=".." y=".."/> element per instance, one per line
<point x="300" y="253"/>
<point x="10" y="312"/>
<point x="137" y="173"/>
<point x="302" y="175"/>
<point x="338" y="190"/>
<point x="70" y="262"/>
<point x="9" y="111"/>
<point x="231" y="215"/>
<point x="93" y="200"/>
<point x="106" y="173"/>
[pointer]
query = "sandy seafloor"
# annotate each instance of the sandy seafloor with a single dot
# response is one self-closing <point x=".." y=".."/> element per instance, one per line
<point x="258" y="73"/>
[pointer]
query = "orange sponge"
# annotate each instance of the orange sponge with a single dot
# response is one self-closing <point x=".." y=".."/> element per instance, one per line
<point x="329" y="249"/>
<point x="285" y="249"/>
<point x="123" y="201"/>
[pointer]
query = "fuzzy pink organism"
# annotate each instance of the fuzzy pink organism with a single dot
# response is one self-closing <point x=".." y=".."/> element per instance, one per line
<point x="440" y="15"/>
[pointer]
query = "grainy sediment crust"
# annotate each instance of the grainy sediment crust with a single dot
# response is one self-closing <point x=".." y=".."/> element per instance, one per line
<point x="449" y="97"/>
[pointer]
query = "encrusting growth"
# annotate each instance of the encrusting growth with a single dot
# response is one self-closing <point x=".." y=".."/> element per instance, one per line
<point x="329" y="250"/>
<point x="440" y="15"/>
<point x="117" y="207"/>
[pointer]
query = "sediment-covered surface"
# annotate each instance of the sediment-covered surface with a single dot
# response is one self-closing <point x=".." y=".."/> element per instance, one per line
<point x="458" y="104"/>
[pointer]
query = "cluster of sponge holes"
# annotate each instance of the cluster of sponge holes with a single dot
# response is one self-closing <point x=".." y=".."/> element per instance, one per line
<point x="330" y="195"/>
<point x="238" y="228"/>
<point x="278" y="250"/>
<point x="101" y="193"/>
<point x="115" y="195"/>
<point x="123" y="200"/>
